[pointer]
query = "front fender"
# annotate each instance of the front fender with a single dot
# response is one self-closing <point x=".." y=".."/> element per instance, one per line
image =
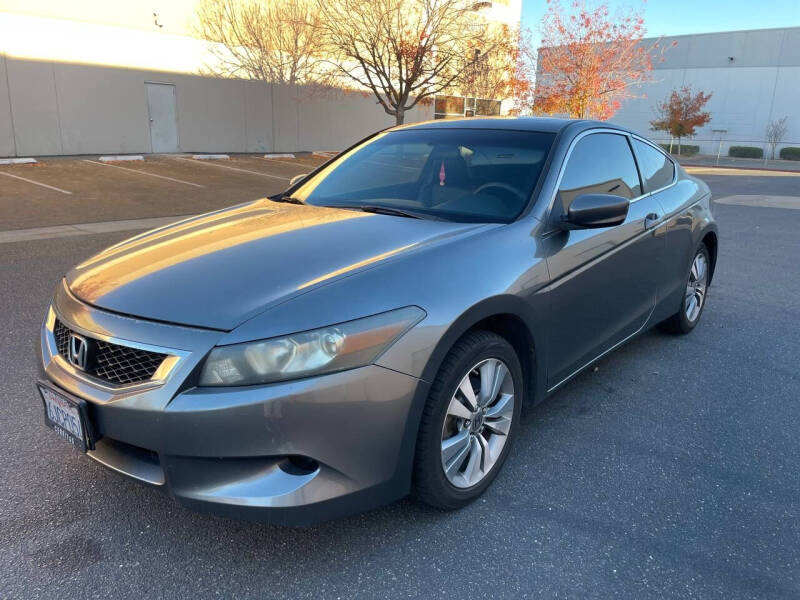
<point x="434" y="354"/>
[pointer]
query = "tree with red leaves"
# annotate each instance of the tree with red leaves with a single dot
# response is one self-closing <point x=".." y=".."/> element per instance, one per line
<point x="681" y="113"/>
<point x="523" y="88"/>
<point x="590" y="60"/>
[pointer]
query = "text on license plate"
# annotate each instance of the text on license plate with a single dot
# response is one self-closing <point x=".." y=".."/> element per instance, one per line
<point x="62" y="413"/>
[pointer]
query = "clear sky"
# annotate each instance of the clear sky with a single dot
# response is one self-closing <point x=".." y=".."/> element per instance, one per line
<point x="676" y="17"/>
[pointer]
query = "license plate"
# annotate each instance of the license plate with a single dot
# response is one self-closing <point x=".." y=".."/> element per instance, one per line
<point x="66" y="416"/>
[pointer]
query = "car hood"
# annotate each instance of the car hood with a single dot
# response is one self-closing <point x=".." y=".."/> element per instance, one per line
<point x="220" y="269"/>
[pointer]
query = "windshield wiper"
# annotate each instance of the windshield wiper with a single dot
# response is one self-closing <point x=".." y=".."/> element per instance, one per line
<point x="287" y="199"/>
<point x="387" y="210"/>
<point x="395" y="212"/>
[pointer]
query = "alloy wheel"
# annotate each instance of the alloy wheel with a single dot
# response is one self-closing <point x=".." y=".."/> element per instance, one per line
<point x="696" y="287"/>
<point x="477" y="423"/>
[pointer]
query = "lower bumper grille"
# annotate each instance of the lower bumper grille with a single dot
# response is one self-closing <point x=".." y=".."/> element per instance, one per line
<point x="129" y="460"/>
<point x="110" y="362"/>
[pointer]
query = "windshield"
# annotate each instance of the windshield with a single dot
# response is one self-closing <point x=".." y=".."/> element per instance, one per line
<point x="454" y="174"/>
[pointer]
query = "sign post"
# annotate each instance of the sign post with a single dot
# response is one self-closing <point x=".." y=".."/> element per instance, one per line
<point x="721" y="133"/>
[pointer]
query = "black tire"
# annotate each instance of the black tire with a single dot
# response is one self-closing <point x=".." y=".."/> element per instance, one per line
<point x="430" y="485"/>
<point x="679" y="323"/>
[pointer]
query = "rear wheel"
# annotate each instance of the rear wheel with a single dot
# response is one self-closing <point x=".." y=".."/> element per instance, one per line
<point x="469" y="421"/>
<point x="694" y="297"/>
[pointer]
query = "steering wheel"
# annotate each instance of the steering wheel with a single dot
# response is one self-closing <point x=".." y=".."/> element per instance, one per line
<point x="502" y="186"/>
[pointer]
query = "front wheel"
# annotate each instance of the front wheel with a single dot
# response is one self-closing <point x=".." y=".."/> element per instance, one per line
<point x="469" y="421"/>
<point x="694" y="297"/>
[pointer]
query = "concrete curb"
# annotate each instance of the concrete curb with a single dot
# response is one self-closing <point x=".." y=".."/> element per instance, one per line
<point x="735" y="168"/>
<point x="121" y="158"/>
<point x="210" y="156"/>
<point x="279" y="156"/>
<point x="17" y="161"/>
<point x="57" y="231"/>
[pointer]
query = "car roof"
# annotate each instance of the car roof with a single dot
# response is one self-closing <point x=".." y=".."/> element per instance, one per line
<point x="540" y="124"/>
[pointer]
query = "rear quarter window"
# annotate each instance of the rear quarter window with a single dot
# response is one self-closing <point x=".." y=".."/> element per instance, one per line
<point x="658" y="170"/>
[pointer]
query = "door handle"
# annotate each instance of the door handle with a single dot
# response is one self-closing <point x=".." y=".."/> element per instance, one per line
<point x="650" y="220"/>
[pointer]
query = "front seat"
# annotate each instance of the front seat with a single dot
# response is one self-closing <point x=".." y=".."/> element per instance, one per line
<point x="446" y="177"/>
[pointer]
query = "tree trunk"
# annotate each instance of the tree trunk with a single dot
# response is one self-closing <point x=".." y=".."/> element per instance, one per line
<point x="679" y="145"/>
<point x="400" y="116"/>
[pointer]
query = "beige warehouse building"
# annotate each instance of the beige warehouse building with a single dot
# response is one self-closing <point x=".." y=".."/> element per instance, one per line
<point x="117" y="76"/>
<point x="753" y="76"/>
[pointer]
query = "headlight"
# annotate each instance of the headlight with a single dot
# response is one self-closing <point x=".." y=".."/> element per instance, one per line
<point x="335" y="348"/>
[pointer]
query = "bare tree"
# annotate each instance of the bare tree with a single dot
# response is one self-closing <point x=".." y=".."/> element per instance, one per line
<point x="275" y="41"/>
<point x="776" y="130"/>
<point x="403" y="51"/>
<point x="502" y="68"/>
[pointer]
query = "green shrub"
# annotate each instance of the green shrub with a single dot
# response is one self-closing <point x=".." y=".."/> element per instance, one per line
<point x="790" y="153"/>
<point x="746" y="152"/>
<point x="686" y="149"/>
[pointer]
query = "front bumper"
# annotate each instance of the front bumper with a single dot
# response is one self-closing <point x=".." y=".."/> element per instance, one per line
<point x="294" y="452"/>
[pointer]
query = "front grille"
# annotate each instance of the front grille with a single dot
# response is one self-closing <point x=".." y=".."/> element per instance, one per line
<point x="113" y="363"/>
<point x="62" y="338"/>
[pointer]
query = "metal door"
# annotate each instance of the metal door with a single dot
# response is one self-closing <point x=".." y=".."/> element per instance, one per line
<point x="604" y="281"/>
<point x="162" y="114"/>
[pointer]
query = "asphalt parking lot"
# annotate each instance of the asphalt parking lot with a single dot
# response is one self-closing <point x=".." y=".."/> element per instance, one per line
<point x="670" y="471"/>
<point x="83" y="190"/>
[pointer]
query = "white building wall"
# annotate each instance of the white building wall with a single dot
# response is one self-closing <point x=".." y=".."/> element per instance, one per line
<point x="72" y="81"/>
<point x="259" y="115"/>
<point x="63" y="108"/>
<point x="7" y="145"/>
<point x="211" y="113"/>
<point x="101" y="109"/>
<point x="760" y="84"/>
<point x="78" y="87"/>
<point x="34" y="110"/>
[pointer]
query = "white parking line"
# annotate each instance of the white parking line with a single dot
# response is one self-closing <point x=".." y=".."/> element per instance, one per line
<point x="212" y="164"/>
<point x="94" y="162"/>
<point x="210" y="156"/>
<point x="44" y="185"/>
<point x="286" y="162"/>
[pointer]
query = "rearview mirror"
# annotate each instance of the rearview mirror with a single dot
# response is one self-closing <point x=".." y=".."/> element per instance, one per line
<point x="297" y="179"/>
<point x="595" y="210"/>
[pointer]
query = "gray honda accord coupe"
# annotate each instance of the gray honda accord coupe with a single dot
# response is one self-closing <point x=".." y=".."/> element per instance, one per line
<point x="376" y="329"/>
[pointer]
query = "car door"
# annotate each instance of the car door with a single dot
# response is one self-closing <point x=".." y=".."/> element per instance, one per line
<point x="603" y="281"/>
<point x="659" y="176"/>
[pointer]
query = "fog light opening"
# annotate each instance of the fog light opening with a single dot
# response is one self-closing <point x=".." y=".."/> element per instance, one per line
<point x="299" y="465"/>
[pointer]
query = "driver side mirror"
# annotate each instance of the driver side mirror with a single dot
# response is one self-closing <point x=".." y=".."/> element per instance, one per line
<point x="297" y="179"/>
<point x="594" y="211"/>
